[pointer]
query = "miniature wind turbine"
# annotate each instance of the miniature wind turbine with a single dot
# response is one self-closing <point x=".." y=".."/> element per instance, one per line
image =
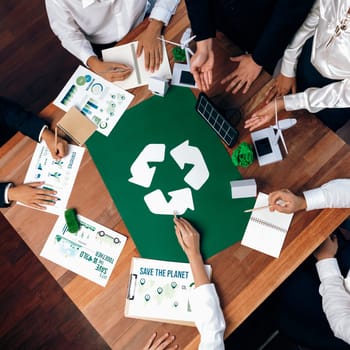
<point x="266" y="140"/>
<point x="186" y="38"/>
<point x="282" y="125"/>
<point x="182" y="75"/>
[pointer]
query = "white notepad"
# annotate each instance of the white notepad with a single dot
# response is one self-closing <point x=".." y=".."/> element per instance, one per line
<point x="126" y="54"/>
<point x="266" y="230"/>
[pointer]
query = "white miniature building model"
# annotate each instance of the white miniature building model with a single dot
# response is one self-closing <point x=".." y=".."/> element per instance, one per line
<point x="243" y="188"/>
<point x="158" y="86"/>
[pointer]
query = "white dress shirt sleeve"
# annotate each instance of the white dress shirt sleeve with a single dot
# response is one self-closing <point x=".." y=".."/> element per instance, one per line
<point x="67" y="30"/>
<point x="208" y="316"/>
<point x="163" y="10"/>
<point x="334" y="95"/>
<point x="335" y="298"/>
<point x="292" y="52"/>
<point x="333" y="194"/>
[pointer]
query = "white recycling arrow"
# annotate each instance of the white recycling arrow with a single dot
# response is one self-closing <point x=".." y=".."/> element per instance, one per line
<point x="141" y="173"/>
<point x="181" y="200"/>
<point x="186" y="154"/>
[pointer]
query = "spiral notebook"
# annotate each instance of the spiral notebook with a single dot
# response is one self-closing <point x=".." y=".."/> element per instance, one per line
<point x="266" y="230"/>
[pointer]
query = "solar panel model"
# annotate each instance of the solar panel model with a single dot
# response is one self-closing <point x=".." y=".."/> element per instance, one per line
<point x="218" y="122"/>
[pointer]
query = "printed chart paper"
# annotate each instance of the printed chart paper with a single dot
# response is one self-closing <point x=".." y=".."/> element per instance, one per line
<point x="96" y="98"/>
<point x="92" y="252"/>
<point x="159" y="290"/>
<point x="57" y="175"/>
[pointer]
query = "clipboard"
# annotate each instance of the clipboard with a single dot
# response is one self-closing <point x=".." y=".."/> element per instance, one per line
<point x="159" y="291"/>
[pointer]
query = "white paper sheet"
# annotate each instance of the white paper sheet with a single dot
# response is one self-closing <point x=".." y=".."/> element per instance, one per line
<point x="58" y="175"/>
<point x="159" y="290"/>
<point x="92" y="252"/>
<point x="98" y="99"/>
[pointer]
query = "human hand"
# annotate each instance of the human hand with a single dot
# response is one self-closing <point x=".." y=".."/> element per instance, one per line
<point x="57" y="151"/>
<point x="281" y="86"/>
<point x="32" y="195"/>
<point x="244" y="75"/>
<point x="188" y="237"/>
<point x="162" y="343"/>
<point x="263" y="115"/>
<point x="327" y="249"/>
<point x="291" y="202"/>
<point x="202" y="63"/>
<point x="151" y="45"/>
<point x="111" y="71"/>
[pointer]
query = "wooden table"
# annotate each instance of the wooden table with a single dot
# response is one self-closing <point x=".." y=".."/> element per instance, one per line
<point x="244" y="278"/>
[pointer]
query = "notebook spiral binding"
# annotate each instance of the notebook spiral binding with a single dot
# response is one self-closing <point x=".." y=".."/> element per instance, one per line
<point x="263" y="222"/>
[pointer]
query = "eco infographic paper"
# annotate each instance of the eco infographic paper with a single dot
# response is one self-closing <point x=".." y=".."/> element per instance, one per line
<point x="98" y="99"/>
<point x="92" y="252"/>
<point x="57" y="175"/>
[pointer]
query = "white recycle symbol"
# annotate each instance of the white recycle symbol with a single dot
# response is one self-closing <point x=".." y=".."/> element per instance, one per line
<point x="181" y="199"/>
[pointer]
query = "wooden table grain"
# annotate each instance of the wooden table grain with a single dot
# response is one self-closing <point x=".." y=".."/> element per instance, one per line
<point x="244" y="278"/>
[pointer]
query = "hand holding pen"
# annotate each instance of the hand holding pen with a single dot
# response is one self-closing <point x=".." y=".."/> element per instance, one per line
<point x="111" y="71"/>
<point x="291" y="202"/>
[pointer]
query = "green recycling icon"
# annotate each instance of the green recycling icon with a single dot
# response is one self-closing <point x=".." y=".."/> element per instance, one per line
<point x="181" y="199"/>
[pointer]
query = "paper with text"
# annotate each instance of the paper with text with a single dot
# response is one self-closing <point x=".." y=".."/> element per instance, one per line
<point x="159" y="290"/>
<point x="58" y="175"/>
<point x="96" y="98"/>
<point x="92" y="252"/>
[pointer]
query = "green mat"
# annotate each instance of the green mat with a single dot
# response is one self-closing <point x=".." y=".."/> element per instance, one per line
<point x="171" y="121"/>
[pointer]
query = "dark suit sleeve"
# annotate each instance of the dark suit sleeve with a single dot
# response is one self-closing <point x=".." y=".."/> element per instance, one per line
<point x="14" y="117"/>
<point x="287" y="17"/>
<point x="3" y="186"/>
<point x="201" y="15"/>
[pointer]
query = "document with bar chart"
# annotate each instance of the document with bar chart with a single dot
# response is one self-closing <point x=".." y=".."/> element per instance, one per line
<point x="98" y="99"/>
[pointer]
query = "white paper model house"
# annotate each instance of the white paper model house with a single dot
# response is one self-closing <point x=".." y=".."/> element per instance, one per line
<point x="243" y="188"/>
<point x="158" y="86"/>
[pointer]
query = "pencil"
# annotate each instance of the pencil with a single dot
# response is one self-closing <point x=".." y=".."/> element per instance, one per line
<point x="56" y="139"/>
<point x="258" y="208"/>
<point x="279" y="202"/>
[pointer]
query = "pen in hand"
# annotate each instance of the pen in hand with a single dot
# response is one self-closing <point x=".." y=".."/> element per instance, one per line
<point x="279" y="202"/>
